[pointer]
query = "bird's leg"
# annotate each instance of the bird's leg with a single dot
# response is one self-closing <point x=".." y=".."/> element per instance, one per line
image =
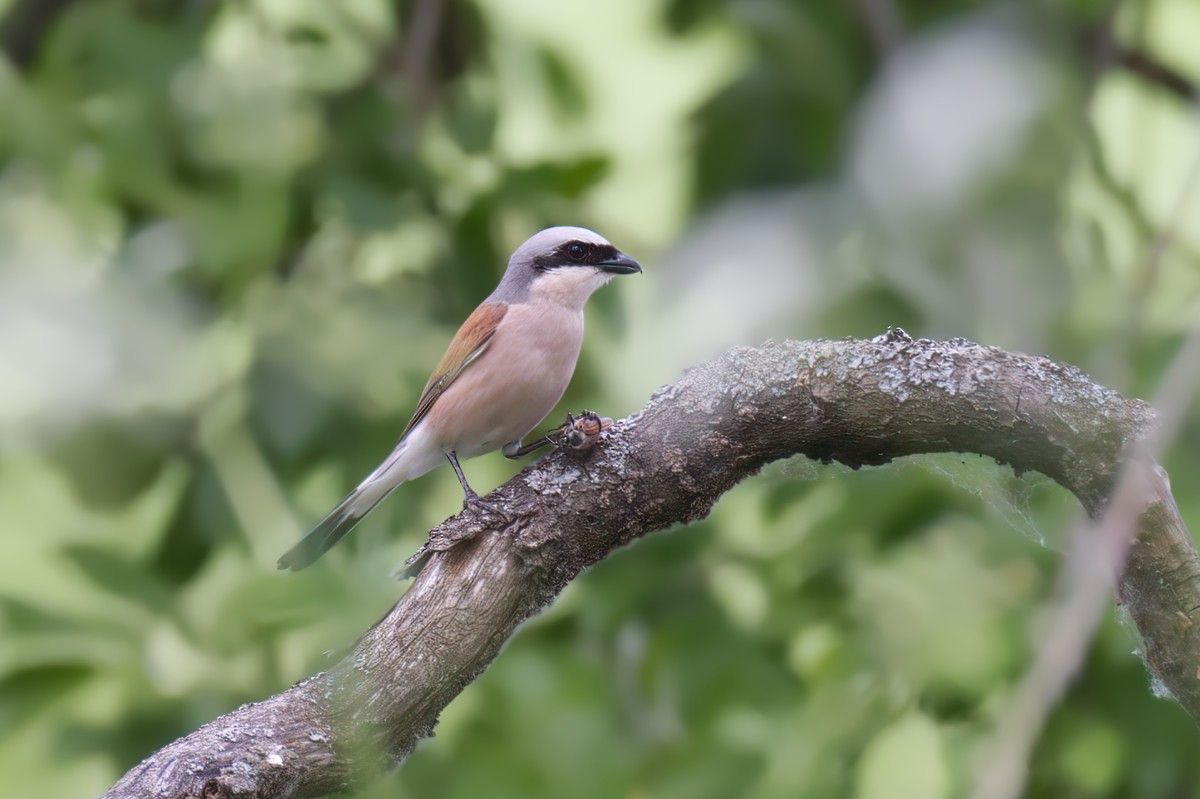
<point x="462" y="478"/>
<point x="473" y="500"/>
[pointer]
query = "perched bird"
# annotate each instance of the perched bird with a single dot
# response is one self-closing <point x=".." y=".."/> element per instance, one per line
<point x="506" y="368"/>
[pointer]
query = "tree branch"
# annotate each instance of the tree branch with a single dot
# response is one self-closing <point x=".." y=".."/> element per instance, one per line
<point x="858" y="402"/>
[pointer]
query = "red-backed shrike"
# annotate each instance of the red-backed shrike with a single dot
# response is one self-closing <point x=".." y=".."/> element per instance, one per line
<point x="506" y="368"/>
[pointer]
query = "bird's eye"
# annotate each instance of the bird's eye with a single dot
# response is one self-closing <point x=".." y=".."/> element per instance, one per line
<point x="576" y="250"/>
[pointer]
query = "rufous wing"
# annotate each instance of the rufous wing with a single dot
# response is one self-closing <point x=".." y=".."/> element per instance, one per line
<point x="469" y="343"/>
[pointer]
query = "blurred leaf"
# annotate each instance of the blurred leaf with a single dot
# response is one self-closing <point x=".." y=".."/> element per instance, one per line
<point x="121" y="576"/>
<point x="905" y="759"/>
<point x="683" y="15"/>
<point x="563" y="86"/>
<point x="23" y="617"/>
<point x="1094" y="758"/>
<point x="110" y="462"/>
<point x="24" y="694"/>
<point x="569" y="180"/>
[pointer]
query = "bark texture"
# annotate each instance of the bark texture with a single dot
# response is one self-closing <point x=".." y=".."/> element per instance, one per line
<point x="857" y="402"/>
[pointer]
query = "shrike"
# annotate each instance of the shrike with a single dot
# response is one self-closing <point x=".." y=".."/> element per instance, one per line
<point x="506" y="368"/>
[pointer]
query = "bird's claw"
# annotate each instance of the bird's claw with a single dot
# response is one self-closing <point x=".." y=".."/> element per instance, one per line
<point x="479" y="505"/>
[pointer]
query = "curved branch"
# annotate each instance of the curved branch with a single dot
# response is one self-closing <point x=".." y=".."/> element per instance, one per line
<point x="858" y="402"/>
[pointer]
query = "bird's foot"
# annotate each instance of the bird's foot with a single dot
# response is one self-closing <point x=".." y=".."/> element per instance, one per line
<point x="483" y="506"/>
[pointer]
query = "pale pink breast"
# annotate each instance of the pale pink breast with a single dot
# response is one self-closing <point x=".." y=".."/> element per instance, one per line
<point x="517" y="380"/>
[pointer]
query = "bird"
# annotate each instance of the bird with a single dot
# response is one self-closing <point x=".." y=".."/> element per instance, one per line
<point x="504" y="371"/>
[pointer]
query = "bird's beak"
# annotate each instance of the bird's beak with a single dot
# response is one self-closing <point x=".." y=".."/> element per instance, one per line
<point x="621" y="265"/>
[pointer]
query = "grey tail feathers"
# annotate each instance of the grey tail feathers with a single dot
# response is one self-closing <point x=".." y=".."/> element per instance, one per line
<point x="350" y="511"/>
<point x="333" y="528"/>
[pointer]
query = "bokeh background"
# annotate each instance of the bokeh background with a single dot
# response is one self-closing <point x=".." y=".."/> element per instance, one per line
<point x="236" y="236"/>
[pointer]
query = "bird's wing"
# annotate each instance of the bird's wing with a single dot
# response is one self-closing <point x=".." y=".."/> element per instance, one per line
<point x="469" y="343"/>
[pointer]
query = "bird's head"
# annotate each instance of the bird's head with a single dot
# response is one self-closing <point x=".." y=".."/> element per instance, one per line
<point x="562" y="265"/>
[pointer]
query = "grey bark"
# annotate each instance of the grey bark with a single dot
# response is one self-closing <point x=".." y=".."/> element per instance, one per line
<point x="857" y="402"/>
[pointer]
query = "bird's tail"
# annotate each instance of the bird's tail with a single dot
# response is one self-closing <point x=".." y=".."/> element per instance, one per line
<point x="349" y="512"/>
<point x="333" y="528"/>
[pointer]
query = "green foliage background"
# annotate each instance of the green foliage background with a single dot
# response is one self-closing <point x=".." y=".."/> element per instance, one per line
<point x="235" y="236"/>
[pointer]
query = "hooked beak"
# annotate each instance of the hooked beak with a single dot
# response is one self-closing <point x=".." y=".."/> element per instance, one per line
<point x="621" y="265"/>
